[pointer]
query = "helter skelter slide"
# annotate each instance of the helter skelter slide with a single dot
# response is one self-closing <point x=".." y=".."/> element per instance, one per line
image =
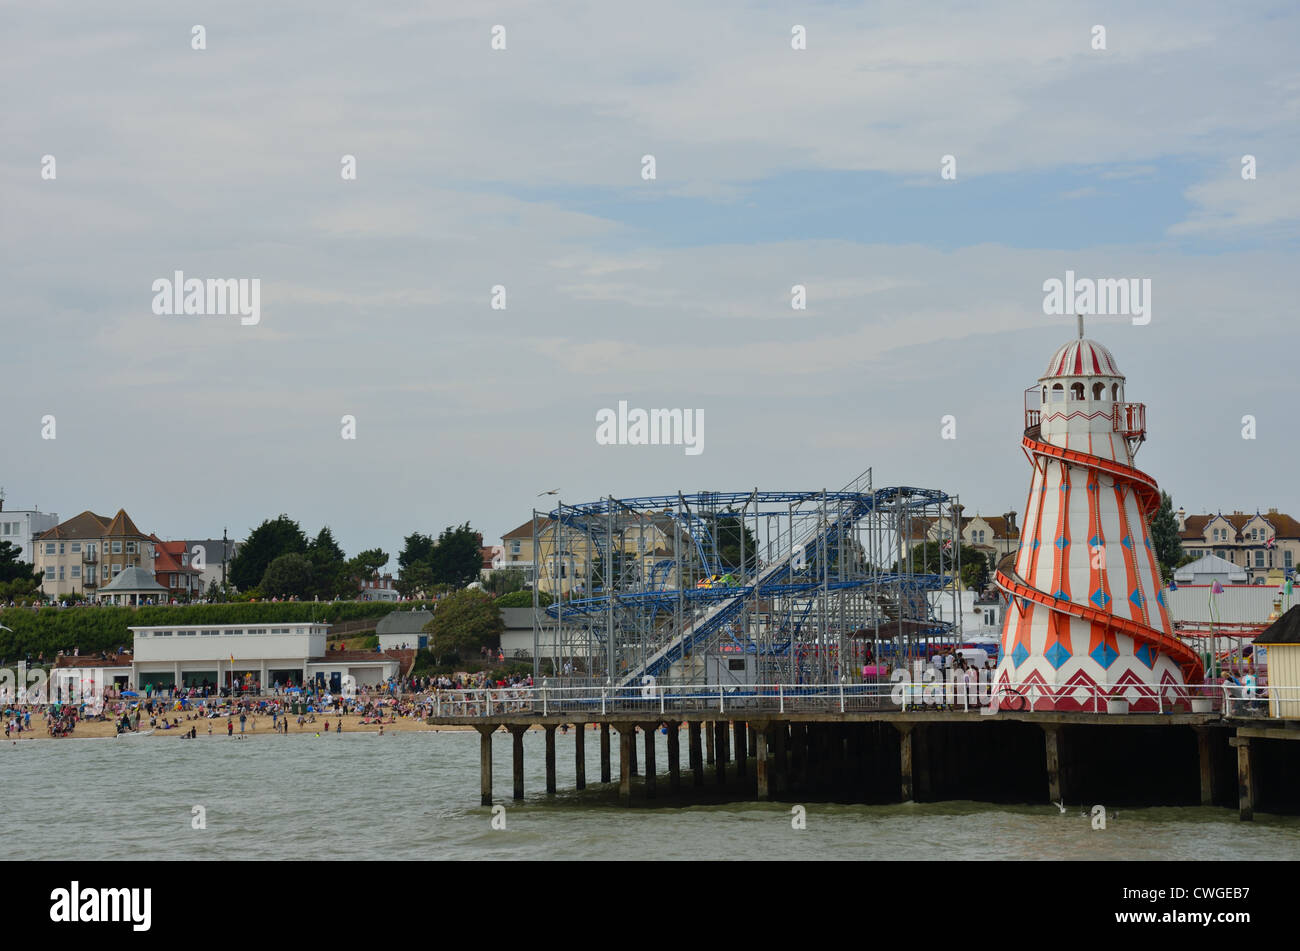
<point x="1086" y="618"/>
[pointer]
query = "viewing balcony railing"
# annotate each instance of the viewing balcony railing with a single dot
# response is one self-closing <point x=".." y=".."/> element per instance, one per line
<point x="1129" y="419"/>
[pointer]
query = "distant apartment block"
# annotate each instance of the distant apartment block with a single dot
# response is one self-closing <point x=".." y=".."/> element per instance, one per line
<point x="19" y="527"/>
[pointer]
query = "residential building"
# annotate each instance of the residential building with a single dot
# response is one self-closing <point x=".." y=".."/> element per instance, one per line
<point x="20" y="526"/>
<point x="996" y="536"/>
<point x="1257" y="543"/>
<point x="174" y="570"/>
<point x="379" y="588"/>
<point x="560" y="560"/>
<point x="206" y="555"/>
<point x="88" y="551"/>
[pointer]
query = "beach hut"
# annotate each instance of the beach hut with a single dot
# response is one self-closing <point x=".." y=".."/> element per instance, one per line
<point x="1282" y="639"/>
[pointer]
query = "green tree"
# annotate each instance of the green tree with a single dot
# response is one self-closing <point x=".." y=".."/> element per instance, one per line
<point x="457" y="557"/>
<point x="463" y="622"/>
<point x="414" y="565"/>
<point x="328" y="565"/>
<point x="362" y="567"/>
<point x="18" y="579"/>
<point x="288" y="576"/>
<point x="524" y="599"/>
<point x="926" y="558"/>
<point x="506" y="581"/>
<point x="1164" y="537"/>
<point x="270" y="540"/>
<point x="728" y="532"/>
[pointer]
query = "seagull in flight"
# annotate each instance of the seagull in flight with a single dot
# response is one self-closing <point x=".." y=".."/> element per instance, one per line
<point x="548" y="492"/>
<point x="1059" y="806"/>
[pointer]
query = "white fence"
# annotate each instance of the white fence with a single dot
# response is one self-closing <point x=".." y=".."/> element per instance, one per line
<point x="900" y="695"/>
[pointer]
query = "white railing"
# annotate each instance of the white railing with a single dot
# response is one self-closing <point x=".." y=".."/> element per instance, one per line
<point x="980" y="698"/>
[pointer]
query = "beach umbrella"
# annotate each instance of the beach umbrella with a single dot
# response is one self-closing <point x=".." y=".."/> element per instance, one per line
<point x="129" y="693"/>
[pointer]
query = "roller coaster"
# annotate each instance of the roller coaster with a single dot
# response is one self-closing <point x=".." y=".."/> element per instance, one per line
<point x="796" y="587"/>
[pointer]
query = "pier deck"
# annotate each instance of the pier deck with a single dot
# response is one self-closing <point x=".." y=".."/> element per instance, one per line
<point x="861" y="743"/>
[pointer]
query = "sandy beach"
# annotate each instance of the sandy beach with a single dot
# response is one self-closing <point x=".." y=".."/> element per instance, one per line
<point x="260" y="726"/>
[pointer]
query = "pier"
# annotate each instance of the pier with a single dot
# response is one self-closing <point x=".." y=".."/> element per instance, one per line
<point x="855" y="744"/>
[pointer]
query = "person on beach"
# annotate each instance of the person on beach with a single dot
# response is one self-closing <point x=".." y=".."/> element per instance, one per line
<point x="338" y="727"/>
<point x="230" y="728"/>
<point x="243" y="718"/>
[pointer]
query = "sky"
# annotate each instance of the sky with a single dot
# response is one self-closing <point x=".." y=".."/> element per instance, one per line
<point x="523" y="168"/>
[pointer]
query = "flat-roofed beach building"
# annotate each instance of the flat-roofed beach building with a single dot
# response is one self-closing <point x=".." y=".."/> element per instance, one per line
<point x="287" y="653"/>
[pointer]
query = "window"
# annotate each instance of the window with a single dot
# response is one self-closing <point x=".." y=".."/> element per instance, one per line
<point x="162" y="633"/>
<point x="233" y="630"/>
<point x="117" y="548"/>
<point x="1099" y="391"/>
<point x="117" y="570"/>
<point x="76" y="571"/>
<point x="76" y="548"/>
<point x="1076" y="391"/>
<point x="61" y="547"/>
<point x="50" y="548"/>
<point x="208" y="633"/>
<point x="1114" y="392"/>
<point x="130" y="548"/>
<point x="514" y="547"/>
<point x="103" y="573"/>
<point x="185" y="559"/>
<point x="60" y="572"/>
<point x="1259" y="559"/>
<point x="1058" y="393"/>
<point x="1287" y="559"/>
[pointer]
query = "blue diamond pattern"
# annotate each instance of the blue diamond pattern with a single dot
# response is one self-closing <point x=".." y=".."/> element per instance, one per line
<point x="1127" y="542"/>
<point x="1094" y="541"/>
<point x="1057" y="655"/>
<point x="1100" y="598"/>
<point x="1136" y="598"/>
<point x="1061" y="595"/>
<point x="1143" y="654"/>
<point x="1104" y="655"/>
<point x="1160" y="596"/>
<point x="1035" y="545"/>
<point x="1062" y="542"/>
<point x="1019" y="654"/>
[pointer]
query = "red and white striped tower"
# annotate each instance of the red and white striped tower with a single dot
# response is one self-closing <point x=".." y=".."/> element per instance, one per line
<point x="1086" y="607"/>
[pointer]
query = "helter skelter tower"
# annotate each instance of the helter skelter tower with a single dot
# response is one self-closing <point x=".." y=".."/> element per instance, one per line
<point x="1085" y="604"/>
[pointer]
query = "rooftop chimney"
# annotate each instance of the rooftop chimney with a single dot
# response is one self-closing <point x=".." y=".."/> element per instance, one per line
<point x="1011" y="522"/>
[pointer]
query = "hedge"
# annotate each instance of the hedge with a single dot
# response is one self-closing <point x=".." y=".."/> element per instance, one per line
<point x="51" y="630"/>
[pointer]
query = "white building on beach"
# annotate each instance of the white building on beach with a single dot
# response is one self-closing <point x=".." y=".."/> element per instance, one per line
<point x="265" y="654"/>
